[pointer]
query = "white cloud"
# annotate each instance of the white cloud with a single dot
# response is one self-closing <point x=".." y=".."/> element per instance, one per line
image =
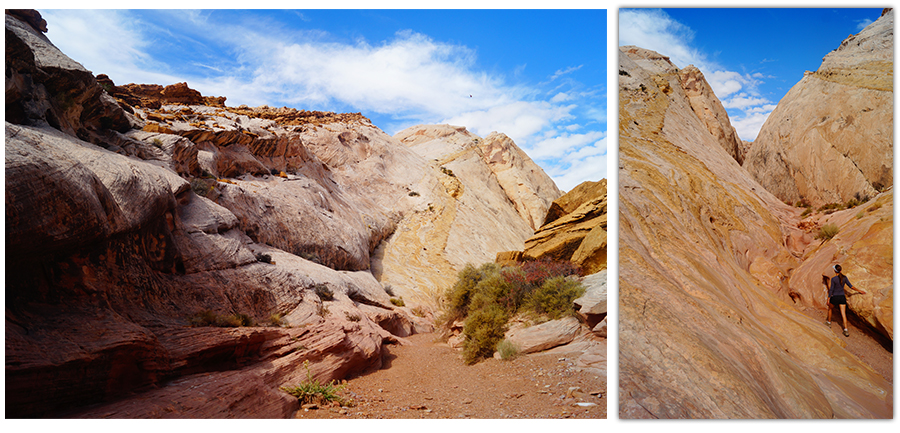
<point x="562" y="144"/>
<point x="560" y="97"/>
<point x="655" y="30"/>
<point x="748" y="125"/>
<point x="743" y="101"/>
<point x="118" y="51"/>
<point x="569" y="70"/>
<point x="863" y="23"/>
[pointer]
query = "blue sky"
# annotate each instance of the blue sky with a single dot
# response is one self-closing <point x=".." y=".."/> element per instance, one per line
<point x="538" y="76"/>
<point x="751" y="57"/>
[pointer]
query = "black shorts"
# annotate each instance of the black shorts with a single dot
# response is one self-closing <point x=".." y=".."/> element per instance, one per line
<point x="838" y="300"/>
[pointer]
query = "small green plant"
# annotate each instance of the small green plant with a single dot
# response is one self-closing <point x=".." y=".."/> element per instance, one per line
<point x="203" y="187"/>
<point x="323" y="292"/>
<point x="413" y="194"/>
<point x="447" y="171"/>
<point x="398" y="302"/>
<point x="555" y="296"/>
<point x="209" y="318"/>
<point x="806" y="212"/>
<point x="276" y="319"/>
<point x="859" y="215"/>
<point x="508" y="350"/>
<point x="418" y="311"/>
<point x="852" y="203"/>
<point x="262" y="257"/>
<point x="156" y="143"/>
<point x="484" y="328"/>
<point x="874" y="207"/>
<point x="313" y="392"/>
<point x="352" y="317"/>
<point x="827" y="232"/>
<point x="830" y="208"/>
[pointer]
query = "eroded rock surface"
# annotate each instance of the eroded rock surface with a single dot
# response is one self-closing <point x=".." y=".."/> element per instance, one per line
<point x="830" y="138"/>
<point x="129" y="221"/>
<point x="703" y="253"/>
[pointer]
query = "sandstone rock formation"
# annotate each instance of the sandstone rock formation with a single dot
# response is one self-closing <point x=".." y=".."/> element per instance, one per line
<point x="710" y="111"/>
<point x="703" y="252"/>
<point x="129" y="221"/>
<point x="830" y="138"/>
<point x="462" y="213"/>
<point x="574" y="230"/>
<point x="861" y="247"/>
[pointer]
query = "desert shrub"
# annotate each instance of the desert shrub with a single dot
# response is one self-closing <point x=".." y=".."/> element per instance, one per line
<point x="311" y="256"/>
<point x="413" y="194"/>
<point x="398" y="302"/>
<point x="830" y="208"/>
<point x="859" y="215"/>
<point x="418" y="311"/>
<point x="323" y="292"/>
<point x="209" y="318"/>
<point x="388" y="288"/>
<point x="484" y="328"/>
<point x="827" y="232"/>
<point x="508" y="350"/>
<point x="806" y="212"/>
<point x="312" y="391"/>
<point x="156" y="143"/>
<point x="204" y="318"/>
<point x="852" y="203"/>
<point x="487" y="296"/>
<point x="352" y="317"/>
<point x="874" y="207"/>
<point x="555" y="296"/>
<point x="203" y="187"/>
<point x="265" y="258"/>
<point x="447" y="171"/>
<point x="276" y="319"/>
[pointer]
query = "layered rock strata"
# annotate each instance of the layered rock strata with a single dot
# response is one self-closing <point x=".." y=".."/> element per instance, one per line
<point x="830" y="138"/>
<point x="704" y="250"/>
<point x="574" y="230"/>
<point x="127" y="224"/>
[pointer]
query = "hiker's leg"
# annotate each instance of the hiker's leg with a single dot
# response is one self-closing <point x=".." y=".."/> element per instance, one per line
<point x="844" y="314"/>
<point x="829" y="307"/>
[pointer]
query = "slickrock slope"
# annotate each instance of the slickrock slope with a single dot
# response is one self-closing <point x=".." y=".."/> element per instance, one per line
<point x="831" y="137"/>
<point x="864" y="249"/>
<point x="127" y="223"/>
<point x="463" y="212"/>
<point x="702" y="255"/>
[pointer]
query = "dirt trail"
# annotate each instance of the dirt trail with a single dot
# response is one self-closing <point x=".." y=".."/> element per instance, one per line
<point x="872" y="349"/>
<point x="425" y="379"/>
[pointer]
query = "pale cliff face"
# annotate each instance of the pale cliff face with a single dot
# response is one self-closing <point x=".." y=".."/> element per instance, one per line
<point x="704" y="331"/>
<point x="831" y="138"/>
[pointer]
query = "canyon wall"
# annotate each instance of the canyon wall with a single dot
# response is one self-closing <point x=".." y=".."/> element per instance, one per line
<point x="136" y="214"/>
<point x="706" y="328"/>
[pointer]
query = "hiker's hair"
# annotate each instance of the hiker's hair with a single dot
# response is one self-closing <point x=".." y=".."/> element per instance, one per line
<point x="841" y="277"/>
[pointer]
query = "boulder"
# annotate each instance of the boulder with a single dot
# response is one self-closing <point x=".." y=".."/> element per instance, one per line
<point x="592" y="305"/>
<point x="545" y="336"/>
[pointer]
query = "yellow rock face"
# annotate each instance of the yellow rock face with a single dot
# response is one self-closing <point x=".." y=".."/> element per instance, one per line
<point x="703" y="328"/>
<point x="579" y="234"/>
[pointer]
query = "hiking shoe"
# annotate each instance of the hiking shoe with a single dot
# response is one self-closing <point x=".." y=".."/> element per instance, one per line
<point x="846" y="332"/>
<point x="828" y="323"/>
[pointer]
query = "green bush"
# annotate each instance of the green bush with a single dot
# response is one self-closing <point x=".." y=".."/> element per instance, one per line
<point x="507" y="350"/>
<point x="484" y="328"/>
<point x="312" y="391"/>
<point x="555" y="297"/>
<point x="806" y="212"/>
<point x="486" y="297"/>
<point x="209" y="318"/>
<point x="398" y="302"/>
<point x="156" y="143"/>
<point x="276" y="319"/>
<point x="827" y="232"/>
<point x="323" y="292"/>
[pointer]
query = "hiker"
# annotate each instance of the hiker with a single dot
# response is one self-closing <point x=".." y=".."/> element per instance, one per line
<point x="837" y="296"/>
